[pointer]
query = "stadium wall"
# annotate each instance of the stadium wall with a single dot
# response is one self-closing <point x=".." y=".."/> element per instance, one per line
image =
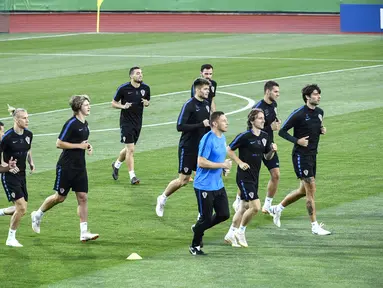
<point x="303" y="6"/>
<point x="247" y="6"/>
<point x="45" y="16"/>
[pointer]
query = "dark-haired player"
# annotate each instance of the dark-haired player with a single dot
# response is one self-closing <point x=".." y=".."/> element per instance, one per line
<point x="307" y="122"/>
<point x="131" y="98"/>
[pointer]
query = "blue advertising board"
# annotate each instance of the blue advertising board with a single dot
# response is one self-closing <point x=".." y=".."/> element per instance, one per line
<point x="361" y="18"/>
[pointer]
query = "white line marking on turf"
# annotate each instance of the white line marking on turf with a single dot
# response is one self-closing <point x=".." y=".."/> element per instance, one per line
<point x="250" y="104"/>
<point x="185" y="56"/>
<point x="45" y="36"/>
<point x="226" y="86"/>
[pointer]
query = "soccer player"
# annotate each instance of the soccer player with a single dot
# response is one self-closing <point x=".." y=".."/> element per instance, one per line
<point x="10" y="210"/>
<point x="253" y="145"/>
<point x="16" y="144"/>
<point x="71" y="167"/>
<point x="131" y="98"/>
<point x="208" y="184"/>
<point x="207" y="73"/>
<point x="307" y="122"/>
<point x="193" y="122"/>
<point x="269" y="106"/>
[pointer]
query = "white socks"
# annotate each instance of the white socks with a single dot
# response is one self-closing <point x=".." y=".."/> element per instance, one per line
<point x="280" y="207"/>
<point x="2" y="212"/>
<point x="242" y="229"/>
<point x="268" y="202"/>
<point x="117" y="164"/>
<point x="83" y="227"/>
<point x="232" y="228"/>
<point x="11" y="234"/>
<point x="131" y="174"/>
<point x="39" y="213"/>
<point x="314" y="224"/>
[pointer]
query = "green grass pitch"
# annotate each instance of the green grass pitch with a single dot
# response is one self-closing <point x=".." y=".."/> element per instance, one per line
<point x="41" y="74"/>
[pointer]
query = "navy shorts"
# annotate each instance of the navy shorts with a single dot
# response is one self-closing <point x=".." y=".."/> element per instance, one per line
<point x="66" y="179"/>
<point x="272" y="163"/>
<point x="130" y="134"/>
<point x="15" y="186"/>
<point x="187" y="161"/>
<point x="305" y="165"/>
<point x="249" y="190"/>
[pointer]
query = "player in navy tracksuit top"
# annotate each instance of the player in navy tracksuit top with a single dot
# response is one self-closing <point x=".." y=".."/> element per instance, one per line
<point x="307" y="122"/>
<point x="193" y="122"/>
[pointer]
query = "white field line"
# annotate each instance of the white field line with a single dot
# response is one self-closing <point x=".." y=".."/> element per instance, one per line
<point x="225" y="86"/>
<point x="184" y="56"/>
<point x="44" y="36"/>
<point x="250" y="103"/>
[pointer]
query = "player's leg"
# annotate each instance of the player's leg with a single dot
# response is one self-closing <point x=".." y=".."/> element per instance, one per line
<point x="310" y="187"/>
<point x="237" y="201"/>
<point x="250" y="190"/>
<point x="276" y="211"/>
<point x="272" y="186"/>
<point x="236" y="222"/>
<point x="80" y="186"/>
<point x="237" y="218"/>
<point x="221" y="207"/>
<point x="130" y="148"/>
<point x="7" y="211"/>
<point x="186" y="165"/>
<point x="172" y="187"/>
<point x="129" y="137"/>
<point x="292" y="197"/>
<point x="254" y="207"/>
<point x="205" y="207"/>
<point x="62" y="185"/>
<point x="20" y="210"/>
<point x="15" y="189"/>
<point x="82" y="209"/>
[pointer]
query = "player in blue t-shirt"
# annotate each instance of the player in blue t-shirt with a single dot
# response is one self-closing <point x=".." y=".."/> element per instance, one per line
<point x="208" y="184"/>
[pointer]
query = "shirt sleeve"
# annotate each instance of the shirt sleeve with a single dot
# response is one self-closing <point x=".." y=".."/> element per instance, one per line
<point x="3" y="144"/>
<point x="31" y="138"/>
<point x="214" y="88"/>
<point x="147" y="96"/>
<point x="205" y="146"/>
<point x="237" y="142"/>
<point x="289" y="123"/>
<point x="118" y="96"/>
<point x="184" y="117"/>
<point x="66" y="131"/>
<point x="268" y="145"/>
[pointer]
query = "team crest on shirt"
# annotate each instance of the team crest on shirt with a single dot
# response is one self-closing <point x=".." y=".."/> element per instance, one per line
<point x="306" y="172"/>
<point x="123" y="138"/>
<point x="264" y="141"/>
<point x="13" y="194"/>
<point x="212" y="88"/>
<point x="186" y="169"/>
<point x="204" y="194"/>
<point x="207" y="108"/>
<point x="27" y="139"/>
<point x="142" y="92"/>
<point x="320" y="117"/>
<point x="251" y="194"/>
<point x="62" y="190"/>
<point x="275" y="110"/>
